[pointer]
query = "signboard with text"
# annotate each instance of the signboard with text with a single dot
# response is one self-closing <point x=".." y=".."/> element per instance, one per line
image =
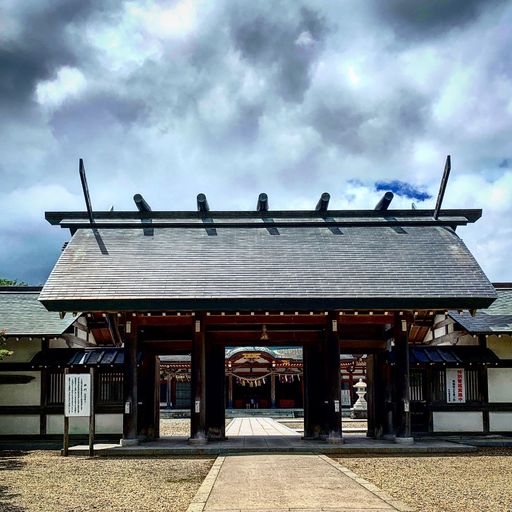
<point x="77" y="395"/>
<point x="455" y="386"/>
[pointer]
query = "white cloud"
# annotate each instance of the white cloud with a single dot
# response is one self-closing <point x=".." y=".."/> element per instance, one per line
<point x="68" y="84"/>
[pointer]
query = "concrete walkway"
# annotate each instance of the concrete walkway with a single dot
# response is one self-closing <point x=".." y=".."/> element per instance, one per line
<point x="258" y="427"/>
<point x="243" y="483"/>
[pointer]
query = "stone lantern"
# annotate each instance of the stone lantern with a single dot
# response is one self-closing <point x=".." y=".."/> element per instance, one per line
<point x="360" y="409"/>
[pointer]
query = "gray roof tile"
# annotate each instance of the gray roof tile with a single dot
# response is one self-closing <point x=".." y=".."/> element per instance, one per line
<point x="21" y="313"/>
<point x="427" y="265"/>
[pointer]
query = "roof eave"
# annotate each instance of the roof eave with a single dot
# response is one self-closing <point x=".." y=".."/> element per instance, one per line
<point x="281" y="304"/>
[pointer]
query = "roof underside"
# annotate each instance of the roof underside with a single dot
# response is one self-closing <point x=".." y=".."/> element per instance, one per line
<point x="243" y="267"/>
<point x="22" y="314"/>
<point x="495" y="319"/>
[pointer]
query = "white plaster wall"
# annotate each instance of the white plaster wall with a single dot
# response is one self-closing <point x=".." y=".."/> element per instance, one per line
<point x="501" y="346"/>
<point x="21" y="424"/>
<point x="109" y="423"/>
<point x="500" y="384"/>
<point x="21" y="394"/>
<point x="458" y="421"/>
<point x="467" y="339"/>
<point x="105" y="424"/>
<point x="23" y="349"/>
<point x="57" y="343"/>
<point x="500" y="421"/>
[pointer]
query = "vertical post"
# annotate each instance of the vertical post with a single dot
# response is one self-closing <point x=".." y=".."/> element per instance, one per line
<point x="230" y="391"/>
<point x="66" y="423"/>
<point x="173" y="392"/>
<point x="198" y="384"/>
<point x="92" y="415"/>
<point x="168" y="394"/>
<point x="403" y="423"/>
<point x="333" y="387"/>
<point x="215" y="391"/>
<point x="314" y="407"/>
<point x="130" y="424"/>
<point x="272" y="389"/>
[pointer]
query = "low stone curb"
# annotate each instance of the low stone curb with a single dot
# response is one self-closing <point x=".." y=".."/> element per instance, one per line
<point x="396" y="504"/>
<point x="203" y="493"/>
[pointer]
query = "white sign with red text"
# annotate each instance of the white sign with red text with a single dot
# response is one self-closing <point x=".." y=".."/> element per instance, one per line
<point x="455" y="386"/>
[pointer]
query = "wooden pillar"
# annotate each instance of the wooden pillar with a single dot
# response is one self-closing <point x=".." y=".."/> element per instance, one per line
<point x="148" y="394"/>
<point x="130" y="424"/>
<point x="376" y="395"/>
<point x="173" y="392"/>
<point x="168" y="391"/>
<point x="215" y="392"/>
<point x="314" y="406"/>
<point x="403" y="418"/>
<point x="230" y="391"/>
<point x="390" y="400"/>
<point x="198" y="384"/>
<point x="333" y="381"/>
<point x="272" y="389"/>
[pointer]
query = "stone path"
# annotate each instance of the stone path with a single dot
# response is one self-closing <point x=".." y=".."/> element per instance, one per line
<point x="258" y="427"/>
<point x="278" y="482"/>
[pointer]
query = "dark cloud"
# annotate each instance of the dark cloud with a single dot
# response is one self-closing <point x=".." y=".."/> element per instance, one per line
<point x="275" y="42"/>
<point x="427" y="18"/>
<point x="43" y="45"/>
<point x="371" y="128"/>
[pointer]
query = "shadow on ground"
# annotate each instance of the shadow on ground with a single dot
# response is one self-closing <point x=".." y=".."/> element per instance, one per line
<point x="10" y="461"/>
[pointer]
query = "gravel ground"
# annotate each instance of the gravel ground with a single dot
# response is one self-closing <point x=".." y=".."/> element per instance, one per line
<point x="471" y="483"/>
<point x="43" y="481"/>
<point x="345" y="424"/>
<point x="177" y="427"/>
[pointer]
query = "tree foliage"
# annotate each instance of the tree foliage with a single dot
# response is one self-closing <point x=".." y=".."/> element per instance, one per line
<point x="3" y="351"/>
<point x="11" y="282"/>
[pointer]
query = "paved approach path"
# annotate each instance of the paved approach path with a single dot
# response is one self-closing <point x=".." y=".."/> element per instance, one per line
<point x="258" y="427"/>
<point x="278" y="482"/>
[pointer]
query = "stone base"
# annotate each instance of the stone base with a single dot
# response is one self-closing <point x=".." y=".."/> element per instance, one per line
<point x="129" y="442"/>
<point x="404" y="440"/>
<point x="389" y="437"/>
<point x="335" y="440"/>
<point x="358" y="414"/>
<point x="197" y="441"/>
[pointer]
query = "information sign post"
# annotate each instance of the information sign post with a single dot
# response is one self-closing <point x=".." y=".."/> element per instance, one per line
<point x="79" y="402"/>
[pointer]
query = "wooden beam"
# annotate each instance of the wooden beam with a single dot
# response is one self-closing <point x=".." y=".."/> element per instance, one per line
<point x="323" y="202"/>
<point x="113" y="327"/>
<point x="262" y="204"/>
<point x="384" y="203"/>
<point x="271" y="319"/>
<point x="85" y="189"/>
<point x="202" y="203"/>
<point x="274" y="337"/>
<point x="442" y="187"/>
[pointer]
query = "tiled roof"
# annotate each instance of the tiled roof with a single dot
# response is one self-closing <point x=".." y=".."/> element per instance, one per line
<point x="247" y="267"/>
<point x="450" y="355"/>
<point x="495" y="319"/>
<point x="21" y="313"/>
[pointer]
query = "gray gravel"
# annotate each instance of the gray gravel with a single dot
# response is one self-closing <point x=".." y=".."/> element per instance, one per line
<point x="471" y="482"/>
<point x="46" y="482"/>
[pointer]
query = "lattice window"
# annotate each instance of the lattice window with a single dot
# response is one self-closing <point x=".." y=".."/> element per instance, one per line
<point x="55" y="394"/>
<point x="110" y="388"/>
<point x="416" y="384"/>
<point x="472" y="386"/>
<point x="439" y="385"/>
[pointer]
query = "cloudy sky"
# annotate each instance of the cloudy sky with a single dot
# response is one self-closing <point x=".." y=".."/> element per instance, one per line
<point x="233" y="98"/>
